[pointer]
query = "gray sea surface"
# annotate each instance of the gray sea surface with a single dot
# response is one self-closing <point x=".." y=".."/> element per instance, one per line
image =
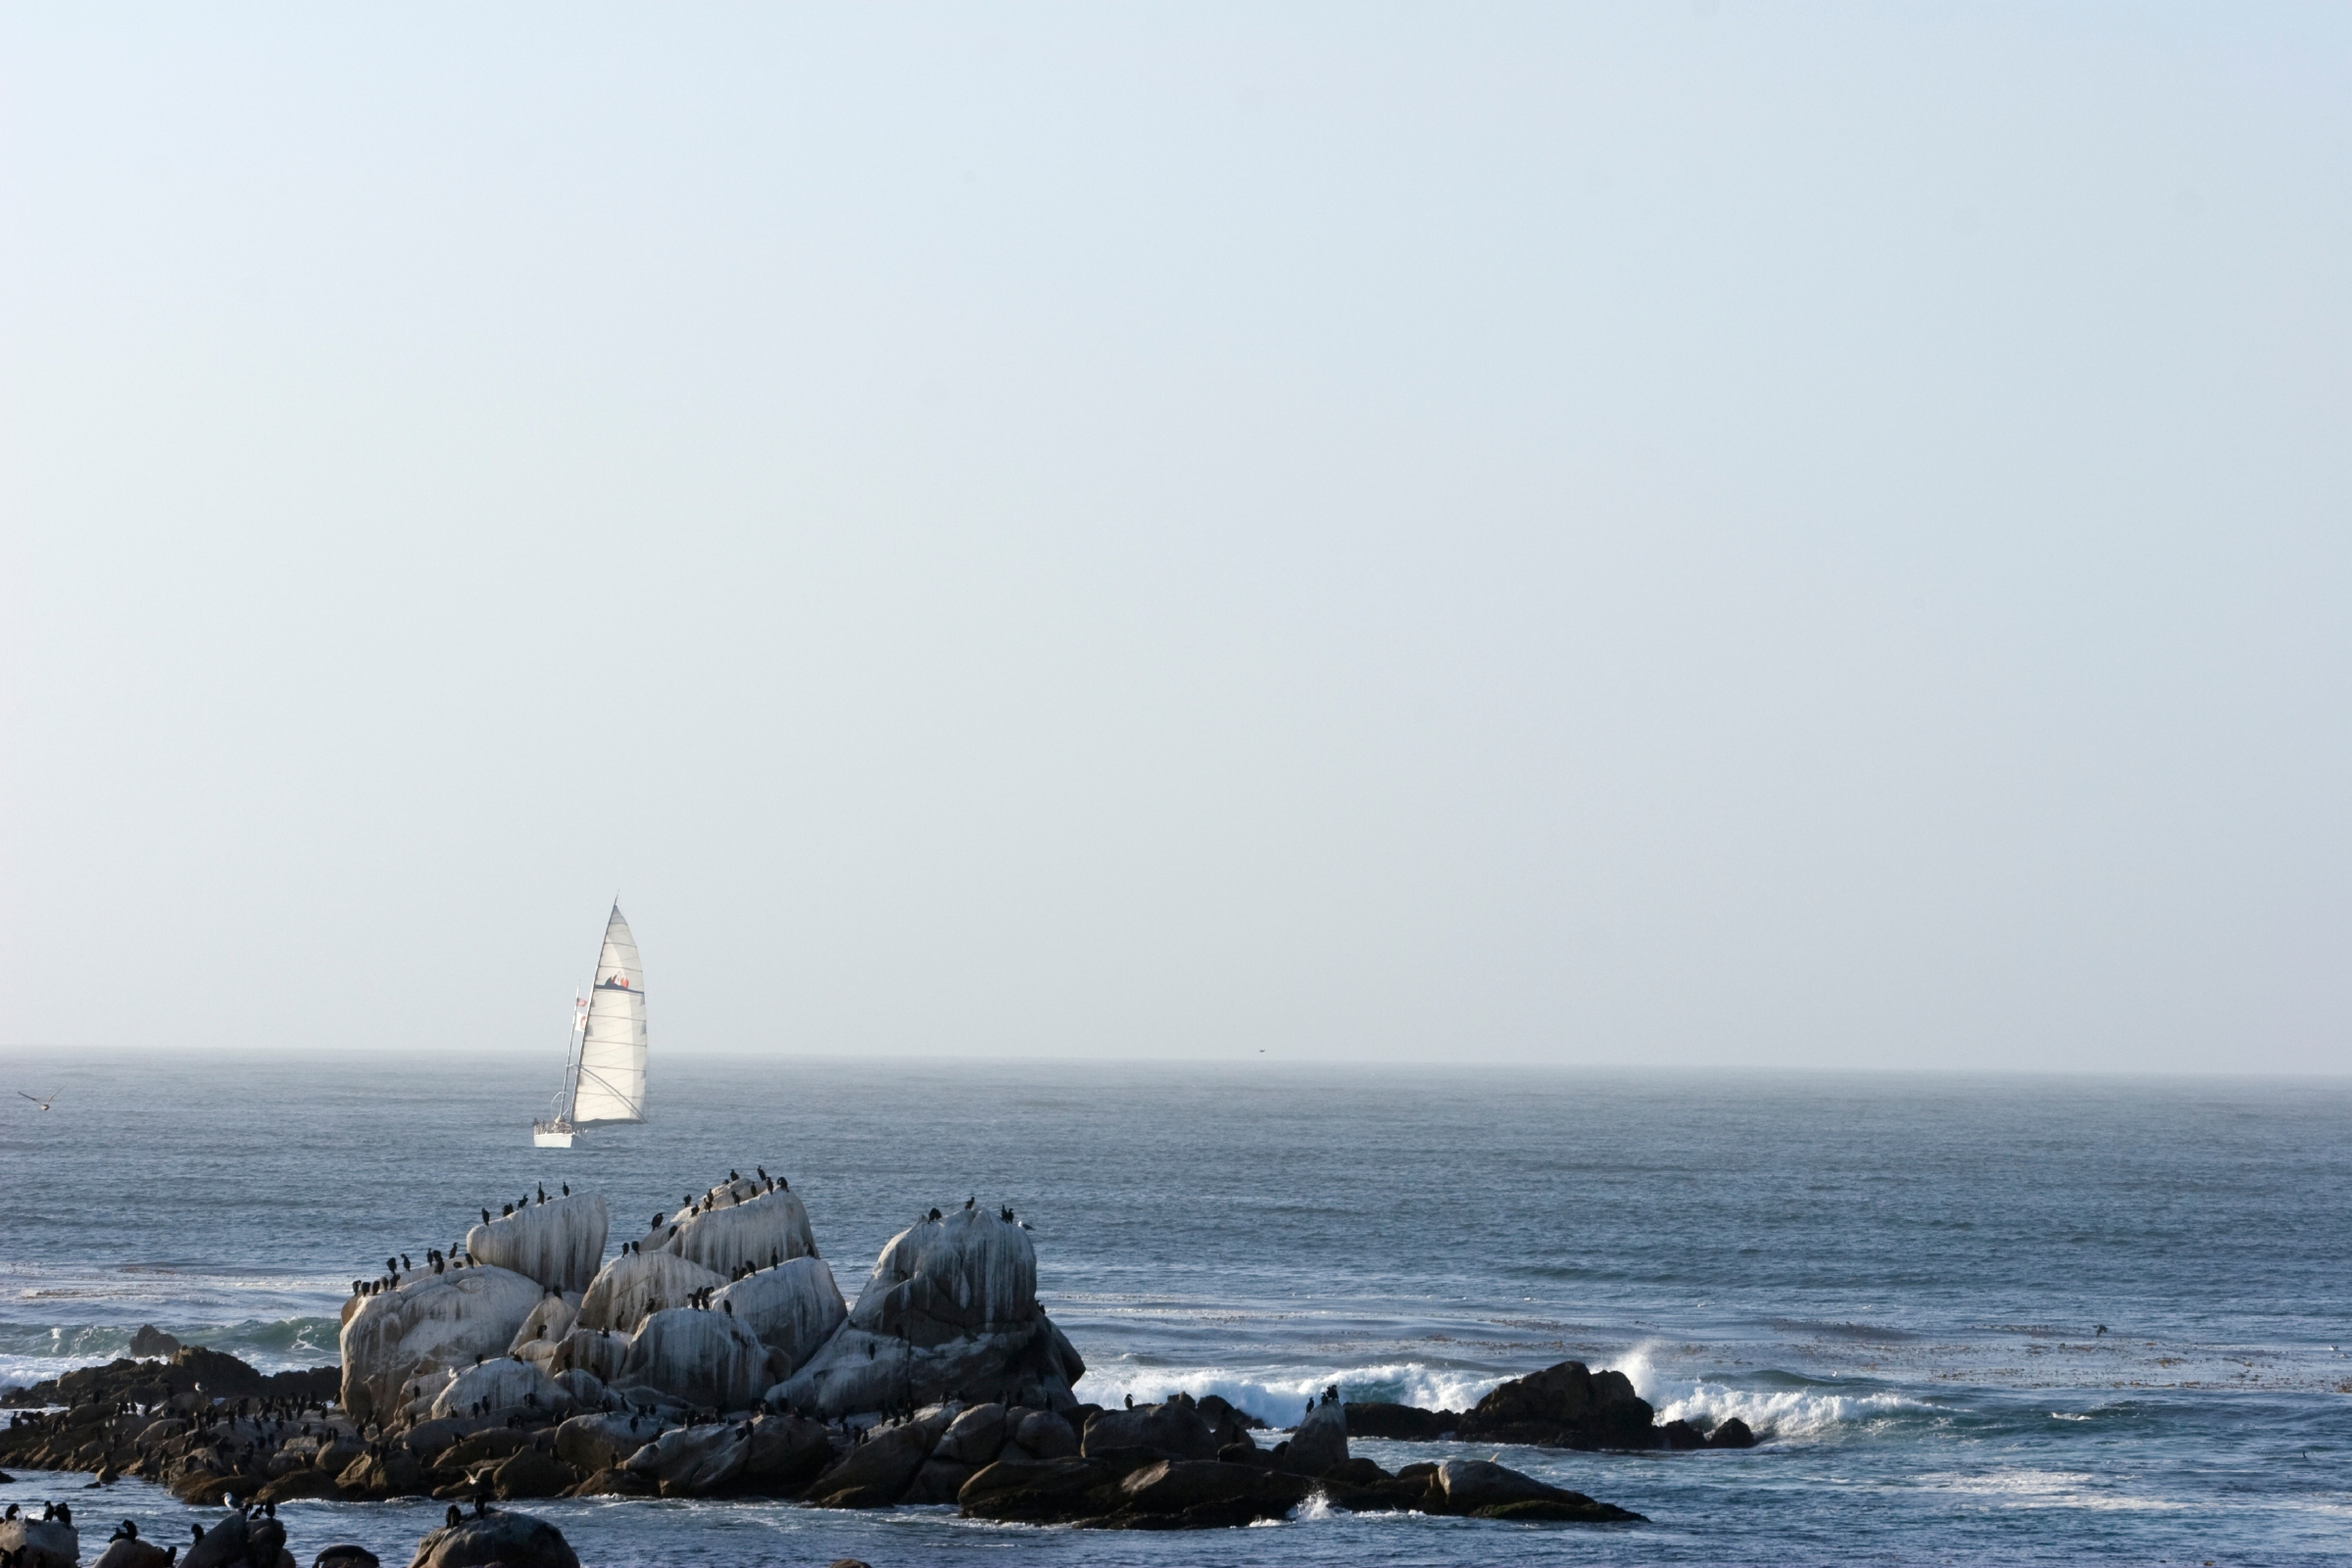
<point x="1898" y="1281"/>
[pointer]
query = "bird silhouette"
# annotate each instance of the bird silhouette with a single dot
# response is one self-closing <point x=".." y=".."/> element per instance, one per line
<point x="43" y="1103"/>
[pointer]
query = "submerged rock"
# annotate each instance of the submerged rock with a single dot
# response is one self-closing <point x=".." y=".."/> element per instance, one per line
<point x="739" y="1226"/>
<point x="634" y="1286"/>
<point x="429" y="1323"/>
<point x="792" y="1308"/>
<point x="558" y="1243"/>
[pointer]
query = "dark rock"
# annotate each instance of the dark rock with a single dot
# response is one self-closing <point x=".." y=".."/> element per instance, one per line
<point x="41" y="1543"/>
<point x="593" y="1443"/>
<point x="295" y="1485"/>
<point x="1175" y="1430"/>
<point x="938" y="1481"/>
<point x="615" y="1484"/>
<point x="1564" y="1406"/>
<point x="128" y="1554"/>
<point x="1681" y="1436"/>
<point x="1041" y="1493"/>
<point x="1481" y="1489"/>
<point x="497" y="1540"/>
<point x="883" y="1465"/>
<point x="973" y="1439"/>
<point x="150" y="1340"/>
<point x="532" y="1473"/>
<point x="1319" y="1442"/>
<point x="484" y="1447"/>
<point x="1193" y="1493"/>
<point x="345" y="1557"/>
<point x="1401" y="1422"/>
<point x="225" y="1545"/>
<point x="1046" y="1436"/>
<point x="786" y="1453"/>
<point x="399" y="1474"/>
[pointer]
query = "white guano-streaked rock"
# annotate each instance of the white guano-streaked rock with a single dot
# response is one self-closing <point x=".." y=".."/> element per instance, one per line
<point x="705" y="1359"/>
<point x="557" y="1243"/>
<point x="635" y="1285"/>
<point x="498" y="1385"/>
<point x="550" y="1321"/>
<point x="941" y="1279"/>
<point x="794" y="1309"/>
<point x="431" y="1323"/>
<point x="730" y="1232"/>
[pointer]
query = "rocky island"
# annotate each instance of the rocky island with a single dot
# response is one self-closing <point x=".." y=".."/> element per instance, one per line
<point x="715" y="1355"/>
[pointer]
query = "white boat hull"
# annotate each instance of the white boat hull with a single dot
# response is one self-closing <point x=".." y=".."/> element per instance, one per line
<point x="541" y="1138"/>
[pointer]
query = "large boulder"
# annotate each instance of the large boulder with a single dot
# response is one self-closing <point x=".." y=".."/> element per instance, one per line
<point x="735" y="1226"/>
<point x="1195" y="1493"/>
<point x="794" y="1308"/>
<point x="705" y="1359"/>
<point x="558" y="1243"/>
<point x="1175" y="1430"/>
<point x="947" y="1279"/>
<point x="597" y="1441"/>
<point x="499" y="1537"/>
<point x="41" y="1543"/>
<point x="1320" y="1442"/>
<point x="949" y="1312"/>
<point x="1484" y="1490"/>
<point x="878" y="1471"/>
<point x="1564" y="1406"/>
<point x="1039" y="1491"/>
<point x="498" y="1385"/>
<point x="431" y="1323"/>
<point x="549" y="1322"/>
<point x="636" y="1285"/>
<point x="127" y="1552"/>
<point x="974" y="1438"/>
<point x="692" y="1461"/>
<point x="598" y="1352"/>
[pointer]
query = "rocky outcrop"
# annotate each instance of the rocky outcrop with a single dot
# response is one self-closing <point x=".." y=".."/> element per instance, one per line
<point x="192" y="1370"/>
<point x="150" y="1340"/>
<point x="1319" y="1442"/>
<point x="431" y="1323"/>
<point x="737" y="1226"/>
<point x="558" y="1243"/>
<point x="598" y="1352"/>
<point x="949" y="1312"/>
<point x="705" y="1359"/>
<point x="1563" y="1406"/>
<point x="41" y="1543"/>
<point x="549" y="1324"/>
<point x="634" y="1286"/>
<point x="128" y="1553"/>
<point x="794" y="1308"/>
<point x="501" y="1385"/>
<point x="508" y="1540"/>
<point x="1175" y="1430"/>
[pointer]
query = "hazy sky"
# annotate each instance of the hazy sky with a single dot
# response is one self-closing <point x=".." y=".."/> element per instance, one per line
<point x="1646" y="534"/>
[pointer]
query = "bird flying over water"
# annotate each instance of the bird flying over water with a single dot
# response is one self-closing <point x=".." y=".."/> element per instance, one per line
<point x="43" y="1103"/>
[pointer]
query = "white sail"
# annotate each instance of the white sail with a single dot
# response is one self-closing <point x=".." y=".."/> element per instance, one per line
<point x="611" y="1081"/>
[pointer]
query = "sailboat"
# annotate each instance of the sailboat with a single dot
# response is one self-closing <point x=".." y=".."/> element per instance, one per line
<point x="603" y="1063"/>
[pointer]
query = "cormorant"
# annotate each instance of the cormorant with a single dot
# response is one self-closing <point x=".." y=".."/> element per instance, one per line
<point x="1006" y="1215"/>
<point x="730" y="1307"/>
<point x="568" y="1189"/>
<point x="935" y="1214"/>
<point x="481" y="1503"/>
<point x="454" y="1515"/>
<point x="969" y="1202"/>
<point x="731" y="1176"/>
<point x="506" y="1210"/>
<point x="404" y="1266"/>
<point x="485" y="1216"/>
<point x="763" y="1170"/>
<point x="543" y="1191"/>
<point x="127" y="1529"/>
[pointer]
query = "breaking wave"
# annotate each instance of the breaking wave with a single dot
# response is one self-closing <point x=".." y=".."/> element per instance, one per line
<point x="1790" y="1414"/>
<point x="1276" y="1395"/>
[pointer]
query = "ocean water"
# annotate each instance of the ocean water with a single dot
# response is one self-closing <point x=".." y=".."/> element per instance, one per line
<point x="1897" y="1280"/>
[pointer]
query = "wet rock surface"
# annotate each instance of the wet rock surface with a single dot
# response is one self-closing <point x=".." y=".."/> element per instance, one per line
<point x="1563" y="1406"/>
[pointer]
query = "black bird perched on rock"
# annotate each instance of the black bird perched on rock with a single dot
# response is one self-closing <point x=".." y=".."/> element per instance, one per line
<point x="763" y="1170"/>
<point x="543" y="1191"/>
<point x="731" y="1176"/>
<point x="568" y="1189"/>
<point x="506" y="1210"/>
<point x="454" y="1515"/>
<point x="64" y="1513"/>
<point x="730" y="1307"/>
<point x="481" y="1503"/>
<point x="935" y="1214"/>
<point x="127" y="1529"/>
<point x="405" y="1264"/>
<point x="485" y="1216"/>
<point x="1006" y="1215"/>
<point x="196" y="1532"/>
<point x="969" y="1200"/>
